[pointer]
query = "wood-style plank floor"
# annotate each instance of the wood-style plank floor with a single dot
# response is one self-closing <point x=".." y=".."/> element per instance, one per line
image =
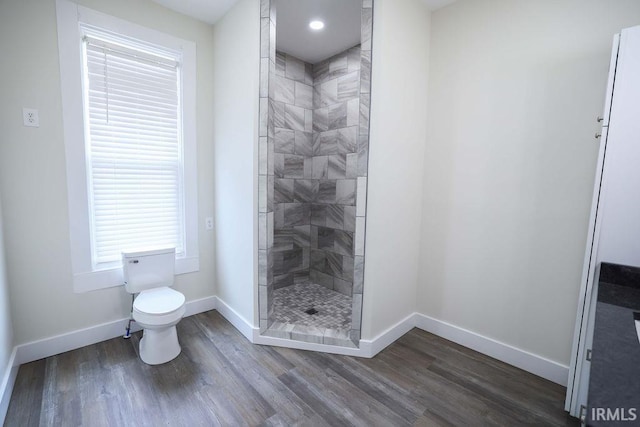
<point x="222" y="379"/>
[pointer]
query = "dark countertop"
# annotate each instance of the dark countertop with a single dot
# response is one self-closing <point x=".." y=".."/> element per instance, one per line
<point x="615" y="363"/>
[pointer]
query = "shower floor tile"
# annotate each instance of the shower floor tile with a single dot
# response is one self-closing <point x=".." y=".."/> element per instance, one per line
<point x="291" y="303"/>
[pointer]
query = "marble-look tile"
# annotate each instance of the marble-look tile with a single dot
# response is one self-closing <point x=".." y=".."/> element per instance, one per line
<point x="366" y="22"/>
<point x="314" y="236"/>
<point x="304" y="143"/>
<point x="353" y="58"/>
<point x="347" y="139"/>
<point x="296" y="214"/>
<point x="349" y="218"/>
<point x="262" y="302"/>
<point x="325" y="143"/>
<point x="308" y="120"/>
<point x="270" y="184"/>
<point x="335" y="216"/>
<point x="346" y="191"/>
<point x="302" y="239"/>
<point x="348" y="86"/>
<point x="262" y="267"/>
<point x="367" y="3"/>
<point x="310" y="334"/>
<point x="317" y="96"/>
<point x="358" y="274"/>
<point x="280" y="330"/>
<point x="308" y="73"/>
<point x="329" y="93"/>
<point x="305" y="190"/>
<point x="278" y="114"/>
<point x="365" y="102"/>
<point x="282" y="240"/>
<point x="365" y="72"/>
<point x="339" y="337"/>
<point x="278" y="165"/>
<point x="342" y="286"/>
<point x="363" y="155"/>
<point x="323" y="279"/>
<point x="333" y="264"/>
<point x="283" y="190"/>
<point x="293" y="166"/>
<point x="272" y="41"/>
<point x="263" y="154"/>
<point x="337" y="166"/>
<point x="320" y="168"/>
<point x="352" y="165"/>
<point x="357" y="311"/>
<point x="264" y="8"/>
<point x="284" y="90"/>
<point x="303" y="95"/>
<point x="321" y="119"/>
<point x="308" y="167"/>
<point x="318" y="215"/>
<point x="270" y="117"/>
<point x="343" y="242"/>
<point x="265" y="37"/>
<point x="338" y="64"/>
<point x="359" y="236"/>
<point x="284" y="141"/>
<point x="353" y="112"/>
<point x="317" y="260"/>
<point x="294" y="68"/>
<point x="338" y="116"/>
<point x="301" y="276"/>
<point x="326" y="237"/>
<point x="361" y="196"/>
<point x="270" y="155"/>
<point x="262" y="231"/>
<point x="262" y="193"/>
<point x="285" y="262"/>
<point x="282" y="280"/>
<point x="280" y="64"/>
<point x="326" y="192"/>
<point x="278" y="215"/>
<point x="264" y="116"/>
<point x="294" y="117"/>
<point x="264" y="77"/>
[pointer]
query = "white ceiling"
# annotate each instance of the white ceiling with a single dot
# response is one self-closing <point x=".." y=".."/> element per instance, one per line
<point x="342" y="19"/>
<point x="341" y="31"/>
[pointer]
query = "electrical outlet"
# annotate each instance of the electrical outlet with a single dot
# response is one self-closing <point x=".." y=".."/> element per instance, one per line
<point x="209" y="223"/>
<point x="30" y="117"/>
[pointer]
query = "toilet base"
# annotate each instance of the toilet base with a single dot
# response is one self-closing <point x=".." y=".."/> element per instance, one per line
<point x="159" y="346"/>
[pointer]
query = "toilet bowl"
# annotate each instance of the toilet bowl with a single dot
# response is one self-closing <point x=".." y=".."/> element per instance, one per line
<point x="157" y="308"/>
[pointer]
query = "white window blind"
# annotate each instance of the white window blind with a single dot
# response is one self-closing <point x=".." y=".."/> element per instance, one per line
<point x="133" y="148"/>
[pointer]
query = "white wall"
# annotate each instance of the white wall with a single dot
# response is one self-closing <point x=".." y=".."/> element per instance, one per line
<point x="6" y="330"/>
<point x="620" y="205"/>
<point x="235" y="114"/>
<point x="514" y="90"/>
<point x="398" y="132"/>
<point x="32" y="168"/>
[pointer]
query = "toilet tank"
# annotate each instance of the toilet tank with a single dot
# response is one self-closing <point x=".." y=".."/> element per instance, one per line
<point x="148" y="269"/>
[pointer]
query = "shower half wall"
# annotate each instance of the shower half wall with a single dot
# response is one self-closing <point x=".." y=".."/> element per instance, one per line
<point x="313" y="167"/>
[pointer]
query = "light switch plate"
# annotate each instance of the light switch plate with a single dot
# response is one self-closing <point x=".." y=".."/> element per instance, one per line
<point x="30" y="117"/>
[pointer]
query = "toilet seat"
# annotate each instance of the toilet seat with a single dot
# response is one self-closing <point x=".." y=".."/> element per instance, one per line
<point x="158" y="306"/>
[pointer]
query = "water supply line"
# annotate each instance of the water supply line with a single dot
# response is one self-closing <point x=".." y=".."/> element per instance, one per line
<point x="127" y="333"/>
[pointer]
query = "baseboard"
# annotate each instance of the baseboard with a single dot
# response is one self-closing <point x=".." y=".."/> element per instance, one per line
<point x="236" y="319"/>
<point x="51" y="346"/>
<point x="6" y="387"/>
<point x="384" y="339"/>
<point x="514" y="356"/>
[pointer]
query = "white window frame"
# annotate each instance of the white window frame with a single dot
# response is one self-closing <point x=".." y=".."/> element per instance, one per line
<point x="70" y="16"/>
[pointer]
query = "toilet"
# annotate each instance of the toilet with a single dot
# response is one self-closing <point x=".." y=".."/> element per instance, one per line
<point x="157" y="308"/>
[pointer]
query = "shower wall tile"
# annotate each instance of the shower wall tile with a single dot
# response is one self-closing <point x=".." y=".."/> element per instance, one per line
<point x="356" y="315"/>
<point x="294" y="68"/>
<point x="284" y="90"/>
<point x="367" y="19"/>
<point x="264" y="77"/>
<point x="303" y="143"/>
<point x="265" y="8"/>
<point x="325" y="143"/>
<point x="363" y="155"/>
<point x="353" y="58"/>
<point x="293" y="166"/>
<point x="337" y="166"/>
<point x="284" y="141"/>
<point x="365" y="101"/>
<point x="278" y="114"/>
<point x="294" y="117"/>
<point x="285" y="262"/>
<point x="263" y="153"/>
<point x="303" y="95"/>
<point x="296" y="214"/>
<point x="305" y="190"/>
<point x="321" y="278"/>
<point x="308" y="120"/>
<point x="338" y="116"/>
<point x="333" y="264"/>
<point x="326" y="192"/>
<point x="321" y="119"/>
<point x="320" y="168"/>
<point x="262" y="231"/>
<point x="262" y="193"/>
<point x="365" y="75"/>
<point x="361" y="196"/>
<point x="329" y="93"/>
<point x="347" y="140"/>
<point x="352" y="165"/>
<point x="270" y="155"/>
<point x="347" y="86"/>
<point x="343" y="242"/>
<point x="349" y="218"/>
<point x="264" y="116"/>
<point x="265" y="37"/>
<point x="280" y="64"/>
<point x="342" y="286"/>
<point x="308" y="167"/>
<point x="346" y="191"/>
<point x="314" y="237"/>
<point x="353" y="112"/>
<point x="318" y="217"/>
<point x="338" y="64"/>
<point x="283" y="190"/>
<point x="358" y="274"/>
<point x="334" y="216"/>
<point x="308" y="73"/>
<point x="359" y="236"/>
<point x="272" y="40"/>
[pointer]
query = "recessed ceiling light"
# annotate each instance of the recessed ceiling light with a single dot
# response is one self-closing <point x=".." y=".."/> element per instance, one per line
<point x="316" y="25"/>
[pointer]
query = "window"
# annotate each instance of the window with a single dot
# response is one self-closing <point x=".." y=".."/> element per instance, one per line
<point x="131" y="165"/>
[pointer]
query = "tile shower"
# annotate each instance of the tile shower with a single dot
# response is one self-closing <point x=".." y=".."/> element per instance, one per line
<point x="312" y="189"/>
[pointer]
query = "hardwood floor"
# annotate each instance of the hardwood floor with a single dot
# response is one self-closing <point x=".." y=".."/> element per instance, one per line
<point x="222" y="379"/>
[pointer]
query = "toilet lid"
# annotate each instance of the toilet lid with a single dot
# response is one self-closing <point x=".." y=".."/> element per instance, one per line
<point x="158" y="301"/>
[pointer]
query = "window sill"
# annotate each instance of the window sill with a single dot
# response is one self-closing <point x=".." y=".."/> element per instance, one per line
<point x="94" y="280"/>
